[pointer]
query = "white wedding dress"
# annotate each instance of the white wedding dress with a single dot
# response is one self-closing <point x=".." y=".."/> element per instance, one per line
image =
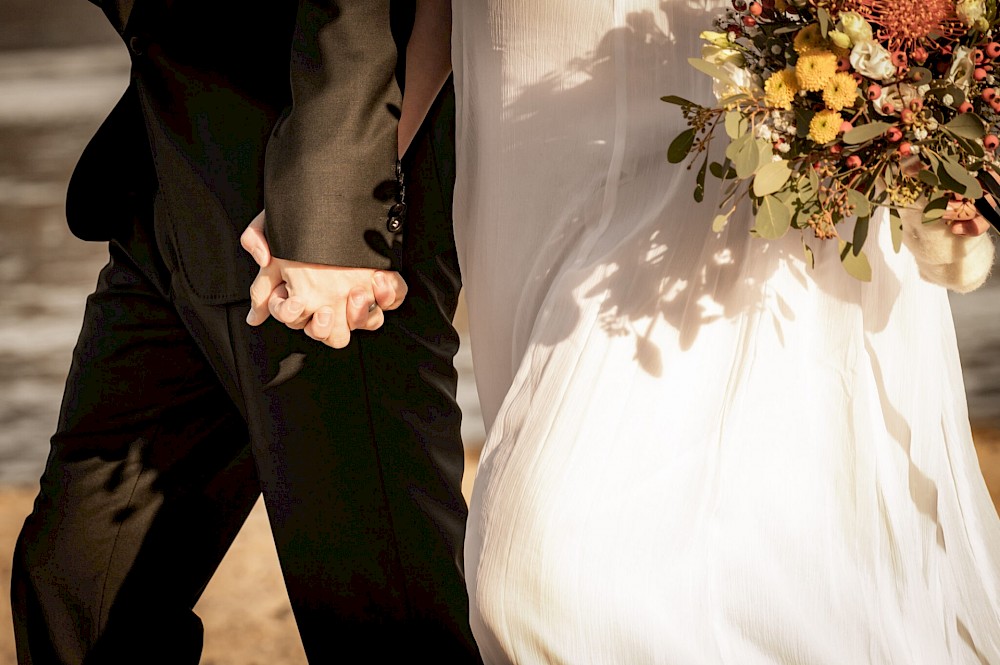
<point x="700" y="449"/>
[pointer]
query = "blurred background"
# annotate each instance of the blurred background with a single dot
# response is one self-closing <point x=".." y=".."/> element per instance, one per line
<point x="61" y="70"/>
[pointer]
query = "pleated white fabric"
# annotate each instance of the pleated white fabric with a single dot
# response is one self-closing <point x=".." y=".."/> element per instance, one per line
<point x="700" y="449"/>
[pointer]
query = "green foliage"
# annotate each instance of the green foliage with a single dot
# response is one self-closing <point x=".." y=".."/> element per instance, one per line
<point x="699" y="190"/>
<point x="736" y="125"/>
<point x="866" y="132"/>
<point x="771" y="177"/>
<point x="955" y="177"/>
<point x="705" y="67"/>
<point x="967" y="126"/>
<point x="681" y="146"/>
<point x="773" y="218"/>
<point x="935" y="208"/>
<point x="855" y="262"/>
<point x="896" y="229"/>
<point x="860" y="234"/>
<point x="679" y="101"/>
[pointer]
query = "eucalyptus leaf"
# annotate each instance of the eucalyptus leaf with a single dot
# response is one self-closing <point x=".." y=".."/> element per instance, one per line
<point x="788" y="196"/>
<point x="747" y="160"/>
<point x="860" y="234"/>
<point x="771" y="177"/>
<point x="773" y="218"/>
<point x="736" y="146"/>
<point x="681" y="146"/>
<point x="805" y="195"/>
<point x="705" y="67"/>
<point x="802" y="119"/>
<point x="856" y="265"/>
<point x="896" y="229"/>
<point x="956" y="93"/>
<point x="967" y="125"/>
<point x="970" y="146"/>
<point x="765" y="153"/>
<point x="810" y="256"/>
<point x="679" y="101"/>
<point x="824" y="21"/>
<point x="722" y="171"/>
<point x="927" y="177"/>
<point x="862" y="207"/>
<point x="935" y="209"/>
<point x="889" y="176"/>
<point x="804" y="213"/>
<point x="736" y="124"/>
<point x="699" y="190"/>
<point x="866" y="132"/>
<point x="969" y="187"/>
<point x="990" y="184"/>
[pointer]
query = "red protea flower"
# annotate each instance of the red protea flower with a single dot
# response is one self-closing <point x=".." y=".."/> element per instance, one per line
<point x="905" y="25"/>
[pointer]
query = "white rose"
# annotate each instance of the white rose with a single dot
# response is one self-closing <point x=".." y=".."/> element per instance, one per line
<point x="720" y="39"/>
<point x="720" y="56"/>
<point x="871" y="59"/>
<point x="899" y="96"/>
<point x="970" y="11"/>
<point x="962" y="66"/>
<point x="855" y="27"/>
<point x="740" y="81"/>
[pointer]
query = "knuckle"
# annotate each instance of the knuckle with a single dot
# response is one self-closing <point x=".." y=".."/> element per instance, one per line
<point x="258" y="291"/>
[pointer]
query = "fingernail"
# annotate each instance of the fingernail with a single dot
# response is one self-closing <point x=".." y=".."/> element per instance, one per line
<point x="359" y="299"/>
<point x="323" y="318"/>
<point x="379" y="280"/>
<point x="295" y="306"/>
<point x="258" y="256"/>
<point x="252" y="317"/>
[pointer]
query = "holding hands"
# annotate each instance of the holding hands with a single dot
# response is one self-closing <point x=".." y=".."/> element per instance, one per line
<point x="325" y="302"/>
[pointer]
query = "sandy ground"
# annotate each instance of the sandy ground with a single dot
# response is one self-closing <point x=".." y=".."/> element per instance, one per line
<point x="245" y="611"/>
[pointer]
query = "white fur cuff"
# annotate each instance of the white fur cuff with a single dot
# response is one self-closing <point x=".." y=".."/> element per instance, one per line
<point x="960" y="263"/>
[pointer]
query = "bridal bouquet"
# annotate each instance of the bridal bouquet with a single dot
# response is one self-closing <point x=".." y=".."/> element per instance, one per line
<point x="832" y="108"/>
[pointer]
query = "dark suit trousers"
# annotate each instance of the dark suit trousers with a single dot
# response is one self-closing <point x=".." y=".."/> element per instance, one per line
<point x="177" y="414"/>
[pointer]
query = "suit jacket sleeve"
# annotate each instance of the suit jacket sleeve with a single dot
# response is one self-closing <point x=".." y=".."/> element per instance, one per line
<point x="330" y="165"/>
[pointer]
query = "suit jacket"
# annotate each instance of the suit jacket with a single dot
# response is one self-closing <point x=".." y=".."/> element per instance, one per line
<point x="237" y="104"/>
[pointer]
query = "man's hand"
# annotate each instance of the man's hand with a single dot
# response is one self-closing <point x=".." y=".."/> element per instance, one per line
<point x="326" y="302"/>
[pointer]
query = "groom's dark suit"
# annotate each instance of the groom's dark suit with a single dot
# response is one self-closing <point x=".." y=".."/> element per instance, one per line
<point x="177" y="413"/>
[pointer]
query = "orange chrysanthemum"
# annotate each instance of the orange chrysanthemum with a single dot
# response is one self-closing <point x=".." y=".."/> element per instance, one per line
<point x="903" y="25"/>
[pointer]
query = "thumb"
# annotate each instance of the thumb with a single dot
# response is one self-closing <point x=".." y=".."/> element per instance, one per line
<point x="254" y="241"/>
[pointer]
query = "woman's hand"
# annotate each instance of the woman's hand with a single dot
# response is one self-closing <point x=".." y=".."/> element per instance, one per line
<point x="964" y="219"/>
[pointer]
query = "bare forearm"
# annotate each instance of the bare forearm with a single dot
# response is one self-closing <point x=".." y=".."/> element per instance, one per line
<point x="428" y="58"/>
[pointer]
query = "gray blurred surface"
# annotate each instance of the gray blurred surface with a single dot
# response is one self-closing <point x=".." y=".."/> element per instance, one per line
<point x="61" y="70"/>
